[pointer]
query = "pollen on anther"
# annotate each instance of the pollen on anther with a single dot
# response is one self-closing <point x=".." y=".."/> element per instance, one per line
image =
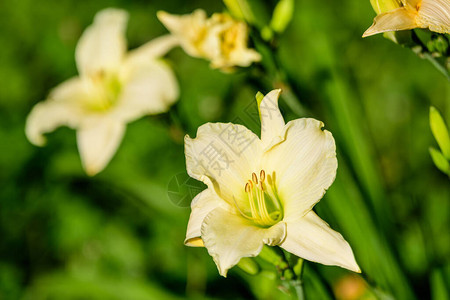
<point x="254" y="178"/>
<point x="247" y="188"/>
<point x="262" y="175"/>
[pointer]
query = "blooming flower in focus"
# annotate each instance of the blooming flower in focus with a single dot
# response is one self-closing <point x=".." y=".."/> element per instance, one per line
<point x="262" y="190"/>
<point x="394" y="15"/>
<point x="220" y="39"/>
<point x="112" y="89"/>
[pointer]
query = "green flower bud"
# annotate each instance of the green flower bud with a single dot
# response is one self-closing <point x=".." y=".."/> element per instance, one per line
<point x="381" y="6"/>
<point x="248" y="265"/>
<point x="282" y="15"/>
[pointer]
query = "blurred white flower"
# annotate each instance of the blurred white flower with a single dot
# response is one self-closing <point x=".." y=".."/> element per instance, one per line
<point x="394" y="15"/>
<point x="113" y="88"/>
<point x="220" y="39"/>
<point x="262" y="191"/>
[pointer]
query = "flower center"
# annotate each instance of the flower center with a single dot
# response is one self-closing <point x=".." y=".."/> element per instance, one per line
<point x="265" y="206"/>
<point x="105" y="89"/>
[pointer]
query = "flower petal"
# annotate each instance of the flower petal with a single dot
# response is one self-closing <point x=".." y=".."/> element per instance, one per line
<point x="435" y="15"/>
<point x="312" y="238"/>
<point x="272" y="122"/>
<point x="304" y="164"/>
<point x="394" y="20"/>
<point x="189" y="29"/>
<point x="229" y="237"/>
<point x="103" y="44"/>
<point x="97" y="141"/>
<point x="156" y="48"/>
<point x="201" y="206"/>
<point x="46" y="116"/>
<point x="223" y="156"/>
<point x="149" y="87"/>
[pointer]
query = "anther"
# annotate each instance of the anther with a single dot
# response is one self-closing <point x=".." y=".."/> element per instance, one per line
<point x="247" y="188"/>
<point x="254" y="178"/>
<point x="262" y="175"/>
<point x="269" y="179"/>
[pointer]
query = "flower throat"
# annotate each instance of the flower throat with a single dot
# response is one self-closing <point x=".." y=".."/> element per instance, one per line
<point x="265" y="205"/>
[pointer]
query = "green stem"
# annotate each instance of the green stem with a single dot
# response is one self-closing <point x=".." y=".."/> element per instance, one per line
<point x="298" y="287"/>
<point x="437" y="65"/>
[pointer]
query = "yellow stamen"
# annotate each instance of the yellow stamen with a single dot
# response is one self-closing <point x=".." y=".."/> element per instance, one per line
<point x="264" y="203"/>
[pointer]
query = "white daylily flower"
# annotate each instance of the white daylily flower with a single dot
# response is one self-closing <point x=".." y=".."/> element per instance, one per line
<point x="113" y="88"/>
<point x="409" y="14"/>
<point x="262" y="191"/>
<point x="220" y="39"/>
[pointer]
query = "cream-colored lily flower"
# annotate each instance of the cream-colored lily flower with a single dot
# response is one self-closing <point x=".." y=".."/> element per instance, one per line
<point x="410" y="14"/>
<point x="262" y="190"/>
<point x="113" y="88"/>
<point x="220" y="39"/>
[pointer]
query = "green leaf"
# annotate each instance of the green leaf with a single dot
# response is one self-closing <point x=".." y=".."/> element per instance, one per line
<point x="438" y="289"/>
<point x="440" y="131"/>
<point x="439" y="160"/>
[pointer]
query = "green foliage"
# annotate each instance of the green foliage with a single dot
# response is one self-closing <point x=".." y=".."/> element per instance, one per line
<point x="119" y="236"/>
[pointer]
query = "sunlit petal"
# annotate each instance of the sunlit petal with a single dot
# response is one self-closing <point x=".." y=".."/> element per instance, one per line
<point x="304" y="164"/>
<point x="435" y="15"/>
<point x="313" y="239"/>
<point x="223" y="156"/>
<point x="229" y="237"/>
<point x="394" y="20"/>
<point x="272" y="122"/>
<point x="201" y="206"/>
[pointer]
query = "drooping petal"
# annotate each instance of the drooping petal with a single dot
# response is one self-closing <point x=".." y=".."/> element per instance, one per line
<point x="229" y="237"/>
<point x="149" y="87"/>
<point x="156" y="48"/>
<point x="97" y="141"/>
<point x="48" y="115"/>
<point x="312" y="238"/>
<point x="435" y="15"/>
<point x="201" y="206"/>
<point x="394" y="20"/>
<point x="272" y="122"/>
<point x="304" y="164"/>
<point x="102" y="46"/>
<point x="223" y="156"/>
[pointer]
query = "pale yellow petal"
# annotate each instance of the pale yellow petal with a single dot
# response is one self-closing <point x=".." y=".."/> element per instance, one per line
<point x="102" y="46"/>
<point x="435" y="15"/>
<point x="305" y="165"/>
<point x="63" y="107"/>
<point x="201" y="206"/>
<point x="190" y="29"/>
<point x="148" y="87"/>
<point x="156" y="48"/>
<point x="48" y="115"/>
<point x="272" y="122"/>
<point x="230" y="237"/>
<point x="311" y="238"/>
<point x="223" y="156"/>
<point x="394" y="20"/>
<point x="98" y="141"/>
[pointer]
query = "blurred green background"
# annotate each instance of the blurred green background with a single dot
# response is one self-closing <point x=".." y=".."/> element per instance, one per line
<point x="119" y="235"/>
